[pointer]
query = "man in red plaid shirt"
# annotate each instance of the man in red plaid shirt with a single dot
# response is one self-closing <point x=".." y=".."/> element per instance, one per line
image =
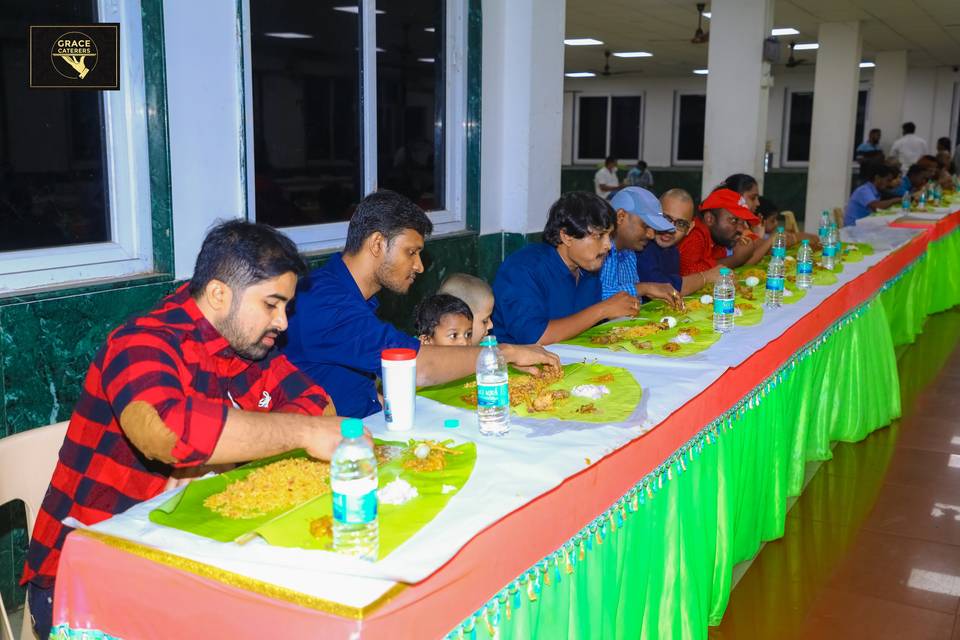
<point x="195" y="382"/>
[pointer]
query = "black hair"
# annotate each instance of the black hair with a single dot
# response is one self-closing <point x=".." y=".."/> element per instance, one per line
<point x="387" y="212"/>
<point x="739" y="182"/>
<point x="241" y="254"/>
<point x="609" y="160"/>
<point x="915" y="169"/>
<point x="767" y="208"/>
<point x="944" y="142"/>
<point x="873" y="170"/>
<point x="874" y="130"/>
<point x="431" y="310"/>
<point x="577" y="213"/>
<point x="642" y="165"/>
<point x="909" y="127"/>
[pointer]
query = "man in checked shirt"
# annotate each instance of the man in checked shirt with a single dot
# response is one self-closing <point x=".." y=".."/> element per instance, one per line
<point x="193" y="383"/>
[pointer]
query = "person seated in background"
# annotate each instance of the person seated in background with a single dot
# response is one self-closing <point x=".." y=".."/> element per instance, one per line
<point x="479" y="297"/>
<point x="769" y="213"/>
<point x="746" y="186"/>
<point x="915" y="180"/>
<point x="944" y="155"/>
<point x="605" y="180"/>
<point x="866" y="198"/>
<point x="335" y="336"/>
<point x="660" y="260"/>
<point x="869" y="146"/>
<point x="719" y="228"/>
<point x="192" y="383"/>
<point x="899" y="184"/>
<point x="638" y="219"/>
<point x="908" y="148"/>
<point x="639" y="176"/>
<point x="443" y="320"/>
<point x="550" y="291"/>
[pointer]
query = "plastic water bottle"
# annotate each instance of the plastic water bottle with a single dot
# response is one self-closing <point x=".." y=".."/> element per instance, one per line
<point x="824" y="227"/>
<point x="493" y="390"/>
<point x="905" y="202"/>
<point x="922" y="201"/>
<point x="776" y="273"/>
<point x="804" y="266"/>
<point x="724" y="292"/>
<point x="831" y="248"/>
<point x="779" y="249"/>
<point x="353" y="479"/>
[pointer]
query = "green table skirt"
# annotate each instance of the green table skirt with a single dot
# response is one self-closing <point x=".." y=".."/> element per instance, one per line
<point x="659" y="562"/>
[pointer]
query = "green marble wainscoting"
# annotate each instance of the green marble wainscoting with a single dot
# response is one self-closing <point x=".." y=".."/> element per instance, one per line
<point x="786" y="187"/>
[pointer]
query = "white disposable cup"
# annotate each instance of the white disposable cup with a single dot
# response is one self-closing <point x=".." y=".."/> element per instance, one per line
<point x="399" y="374"/>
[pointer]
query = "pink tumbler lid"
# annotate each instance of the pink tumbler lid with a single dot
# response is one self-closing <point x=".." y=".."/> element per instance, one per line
<point x="398" y="354"/>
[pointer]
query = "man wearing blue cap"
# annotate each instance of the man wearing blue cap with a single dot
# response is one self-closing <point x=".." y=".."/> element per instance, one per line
<point x="638" y="218"/>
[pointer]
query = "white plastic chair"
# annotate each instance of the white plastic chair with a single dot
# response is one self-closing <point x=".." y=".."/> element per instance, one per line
<point x="27" y="461"/>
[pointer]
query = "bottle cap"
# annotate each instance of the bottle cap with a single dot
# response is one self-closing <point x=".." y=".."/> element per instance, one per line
<point x="779" y="229"/>
<point x="489" y="341"/>
<point x="351" y="428"/>
<point x="805" y="242"/>
<point x="725" y="272"/>
<point x="398" y="354"/>
<point x="451" y="423"/>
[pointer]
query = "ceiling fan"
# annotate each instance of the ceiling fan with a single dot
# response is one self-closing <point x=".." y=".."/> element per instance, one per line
<point x="792" y="61"/>
<point x="700" y="36"/>
<point x="606" y="72"/>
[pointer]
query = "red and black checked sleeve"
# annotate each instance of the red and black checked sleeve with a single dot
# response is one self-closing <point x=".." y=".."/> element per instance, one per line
<point x="146" y="367"/>
<point x="293" y="391"/>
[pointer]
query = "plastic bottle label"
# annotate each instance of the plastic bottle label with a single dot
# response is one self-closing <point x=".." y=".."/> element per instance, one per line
<point x="774" y="283"/>
<point x="723" y="307"/>
<point x="829" y="250"/>
<point x="492" y="396"/>
<point x="780" y="252"/>
<point x="804" y="268"/>
<point x="350" y="506"/>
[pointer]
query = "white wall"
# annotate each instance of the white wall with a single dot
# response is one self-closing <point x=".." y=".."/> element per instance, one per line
<point x="203" y="81"/>
<point x="929" y="103"/>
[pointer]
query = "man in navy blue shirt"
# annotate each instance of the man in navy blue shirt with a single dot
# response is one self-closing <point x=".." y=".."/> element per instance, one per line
<point x="866" y="198"/>
<point x="334" y="335"/>
<point x="549" y="291"/>
<point x="660" y="260"/>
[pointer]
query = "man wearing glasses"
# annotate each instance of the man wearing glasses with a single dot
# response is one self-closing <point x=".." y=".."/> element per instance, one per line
<point x="660" y="259"/>
<point x="721" y="223"/>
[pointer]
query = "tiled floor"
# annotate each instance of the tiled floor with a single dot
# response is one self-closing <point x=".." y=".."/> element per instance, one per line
<point x="872" y="547"/>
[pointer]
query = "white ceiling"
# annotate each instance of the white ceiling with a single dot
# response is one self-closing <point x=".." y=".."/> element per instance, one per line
<point x="928" y="29"/>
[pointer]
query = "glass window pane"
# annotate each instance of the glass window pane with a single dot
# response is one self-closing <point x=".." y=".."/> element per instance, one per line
<point x="52" y="167"/>
<point x="306" y="122"/>
<point x="625" y="127"/>
<point x="411" y="99"/>
<point x="801" y="120"/>
<point x="691" y="116"/>
<point x="858" y="136"/>
<point x="592" y="139"/>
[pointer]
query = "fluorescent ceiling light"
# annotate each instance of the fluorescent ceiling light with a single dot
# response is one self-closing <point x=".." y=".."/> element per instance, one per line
<point x="867" y="65"/>
<point x="580" y="74"/>
<point x="806" y="46"/>
<point x="707" y="15"/>
<point x="701" y="72"/>
<point x="430" y="29"/>
<point x="581" y="42"/>
<point x="288" y="35"/>
<point x="354" y="9"/>
<point x="633" y="54"/>
<point x="427" y="60"/>
<point x="785" y="31"/>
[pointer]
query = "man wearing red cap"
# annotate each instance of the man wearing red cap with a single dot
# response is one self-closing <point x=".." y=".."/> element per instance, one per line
<point x="718" y="229"/>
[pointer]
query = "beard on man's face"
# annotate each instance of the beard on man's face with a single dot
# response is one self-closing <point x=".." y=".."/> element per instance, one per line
<point x="250" y="350"/>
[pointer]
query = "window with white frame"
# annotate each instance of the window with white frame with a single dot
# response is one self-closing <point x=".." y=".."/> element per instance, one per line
<point x="798" y="123"/>
<point x="689" y="117"/>
<point x="608" y="125"/>
<point x="74" y="175"/>
<point x="346" y="98"/>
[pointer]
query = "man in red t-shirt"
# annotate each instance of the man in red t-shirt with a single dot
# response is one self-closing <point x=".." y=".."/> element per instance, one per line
<point x="194" y="382"/>
<point x="718" y="228"/>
